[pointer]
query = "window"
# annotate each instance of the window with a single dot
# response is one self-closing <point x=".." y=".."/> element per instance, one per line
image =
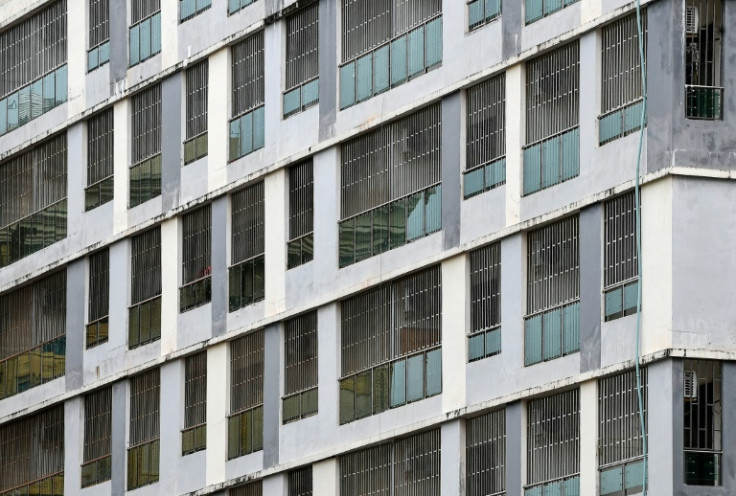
<point x="703" y="422"/>
<point x="32" y="454"/>
<point x="552" y="323"/>
<point x="247" y="276"/>
<point x="97" y="465"/>
<point x="619" y="434"/>
<point x="247" y="126"/>
<point x="144" y="316"/>
<point x="621" y="269"/>
<point x="252" y="489"/>
<point x="481" y="12"/>
<point x="196" y="247"/>
<point x="621" y="95"/>
<point x="145" y="174"/>
<point x="195" y="146"/>
<point x="404" y="467"/>
<point x="552" y="152"/>
<point x="235" y="5"/>
<point x="485" y="157"/>
<point x="301" y="214"/>
<point x="33" y="337"/>
<point x="302" y="60"/>
<point x="553" y="445"/>
<point x="100" y="160"/>
<point x="143" y="447"/>
<point x="33" y="72"/>
<point x="245" y="423"/>
<point x="190" y="8"/>
<point x="301" y="373"/>
<point x="33" y="200"/>
<point x="145" y="30"/>
<point x="194" y="435"/>
<point x="391" y="192"/>
<point x="391" y="339"/>
<point x="485" y="302"/>
<point x="385" y="43"/>
<point x="99" y="298"/>
<point x="99" y="34"/>
<point x="300" y="482"/>
<point x="485" y="454"/>
<point x="703" y="55"/>
<point x="536" y="9"/>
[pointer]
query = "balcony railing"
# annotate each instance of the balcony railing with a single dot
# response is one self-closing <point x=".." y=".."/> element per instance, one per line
<point x="620" y="122"/>
<point x="704" y="102"/>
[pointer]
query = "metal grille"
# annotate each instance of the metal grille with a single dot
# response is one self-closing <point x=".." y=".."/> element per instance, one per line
<point x="392" y="162"/>
<point x="552" y="93"/>
<point x="485" y="288"/>
<point x="619" y="430"/>
<point x="146" y="266"/>
<point x="621" y="62"/>
<point x="486" y="128"/>
<point x="301" y="199"/>
<point x="197" y="88"/>
<point x="97" y="424"/>
<point x="301" y="353"/>
<point x="99" y="22"/>
<point x="247" y="67"/>
<point x="703" y="42"/>
<point x="703" y="405"/>
<point x="197" y="242"/>
<point x="247" y="223"/>
<point x="146" y="124"/>
<point x="553" y="437"/>
<point x="140" y="9"/>
<point x="32" y="449"/>
<point x="100" y="152"/>
<point x="300" y="482"/>
<point x="195" y="390"/>
<point x="246" y="372"/>
<point x="553" y="265"/>
<point x="99" y="284"/>
<point x="485" y="454"/>
<point x="144" y="407"/>
<point x="252" y="489"/>
<point x="620" y="231"/>
<point x="302" y="46"/>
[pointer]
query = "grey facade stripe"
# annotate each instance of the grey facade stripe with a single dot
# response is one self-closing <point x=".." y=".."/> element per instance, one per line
<point x="328" y="12"/>
<point x="591" y="219"/>
<point x="119" y="423"/>
<point x="171" y="142"/>
<point x="118" y="41"/>
<point x="271" y="394"/>
<point x="451" y="169"/>
<point x="75" y="319"/>
<point x="514" y="448"/>
<point x="219" y="265"/>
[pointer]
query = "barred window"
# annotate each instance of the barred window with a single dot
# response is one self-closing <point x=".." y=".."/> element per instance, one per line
<point x="33" y="202"/>
<point x="144" y="318"/>
<point x="391" y="338"/>
<point x="485" y="166"/>
<point x="404" y="467"/>
<point x="194" y="435"/>
<point x="553" y="444"/>
<point x="703" y="422"/>
<point x="703" y="59"/>
<point x="552" y="324"/>
<point x="485" y="302"/>
<point x="196" y="287"/>
<point x="145" y="173"/>
<point x="302" y="60"/>
<point x="247" y="126"/>
<point x="100" y="159"/>
<point x="485" y="454"/>
<point x="235" y="5"/>
<point x="143" y="445"/>
<point x="301" y="214"/>
<point x="33" y="71"/>
<point x="621" y="269"/>
<point x="97" y="464"/>
<point x="619" y="434"/>
<point x="99" y="34"/>
<point x="195" y="146"/>
<point x="33" y="337"/>
<point x="300" y="482"/>
<point x="32" y="453"/>
<point x="252" y="489"/>
<point x="145" y="30"/>
<point x="552" y="152"/>
<point x="301" y="372"/>
<point x="390" y="186"/>
<point x="481" y="12"/>
<point x="247" y="276"/>
<point x="245" y="423"/>
<point x="385" y="43"/>
<point x="621" y="93"/>
<point x="191" y="8"/>
<point x="99" y="298"/>
<point x="537" y="9"/>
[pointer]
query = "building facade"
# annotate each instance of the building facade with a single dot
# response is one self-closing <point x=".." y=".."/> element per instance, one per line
<point x="367" y="247"/>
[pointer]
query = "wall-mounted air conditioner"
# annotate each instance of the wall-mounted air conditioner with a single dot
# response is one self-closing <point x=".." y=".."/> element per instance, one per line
<point x="692" y="20"/>
<point x="690" y="385"/>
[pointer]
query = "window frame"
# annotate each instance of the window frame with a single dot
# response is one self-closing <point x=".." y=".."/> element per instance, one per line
<point x="247" y="256"/>
<point x="196" y="241"/>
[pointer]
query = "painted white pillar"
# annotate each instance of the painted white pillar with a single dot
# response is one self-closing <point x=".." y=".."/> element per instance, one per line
<point x="218" y="397"/>
<point x="275" y="189"/>
<point x="218" y="114"/>
<point x="326" y="477"/>
<point x="76" y="40"/>
<point x="73" y="443"/>
<point x="515" y="138"/>
<point x="454" y="325"/>
<point x="589" y="437"/>
<point x="172" y="400"/>
<point x="169" y="34"/>
<point x="170" y="263"/>
<point x="452" y="458"/>
<point x="121" y="162"/>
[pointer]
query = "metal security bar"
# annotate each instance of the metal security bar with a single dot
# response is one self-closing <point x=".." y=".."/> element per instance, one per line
<point x="252" y="489"/>
<point x="33" y="337"/>
<point x="247" y="276"/>
<point x="301" y="214"/>
<point x="703" y="422"/>
<point x="100" y="159"/>
<point x="145" y="281"/>
<point x="143" y="442"/>
<point x="247" y="126"/>
<point x="145" y="30"/>
<point x="302" y="60"/>
<point x="621" y="271"/>
<point x="140" y="9"/>
<point x="195" y="146"/>
<point x="300" y="482"/>
<point x="481" y="12"/>
<point x="145" y="174"/>
<point x="97" y="463"/>
<point x="99" y="34"/>
<point x="301" y="367"/>
<point x="33" y="200"/>
<point x="703" y="59"/>
<point x="235" y="5"/>
<point x="485" y="454"/>
<point x="32" y="453"/>
<point x="536" y="9"/>
<point x="485" y="302"/>
<point x="245" y="423"/>
<point x="99" y="298"/>
<point x="196" y="264"/>
<point x="485" y="156"/>
<point x="194" y="434"/>
<point x="553" y="441"/>
<point x="190" y="8"/>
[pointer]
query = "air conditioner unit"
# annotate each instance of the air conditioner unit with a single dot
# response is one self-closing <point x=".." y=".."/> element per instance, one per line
<point x="690" y="386"/>
<point x="692" y="20"/>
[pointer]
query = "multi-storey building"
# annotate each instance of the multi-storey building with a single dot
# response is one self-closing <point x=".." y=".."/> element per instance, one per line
<point x="367" y="247"/>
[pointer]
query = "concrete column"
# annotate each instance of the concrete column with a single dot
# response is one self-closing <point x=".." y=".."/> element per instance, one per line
<point x="512" y="26"/>
<point x="220" y="262"/>
<point x="118" y="41"/>
<point x="452" y="462"/>
<point x="75" y="297"/>
<point x="513" y="277"/>
<point x="665" y="426"/>
<point x="589" y="98"/>
<point x="170" y="263"/>
<point x="515" y="448"/>
<point x="274" y="53"/>
<point x="452" y="123"/>
<point x="172" y="107"/>
<point x="73" y="443"/>
<point x="171" y="413"/>
<point x="275" y="193"/>
<point x="276" y="485"/>
<point x="119" y="294"/>
<point x="76" y="149"/>
<point x="118" y="439"/>
<point x="218" y="398"/>
<point x="271" y="395"/>
<point x="590" y="287"/>
<point x="169" y="33"/>
<point x="328" y="362"/>
<point x="121" y="164"/>
<point x="589" y="437"/>
<point x="328" y="62"/>
<point x="326" y="167"/>
<point x="326" y="477"/>
<point x="515" y="139"/>
<point x="76" y="41"/>
<point x="454" y="327"/>
<point x="218" y="115"/>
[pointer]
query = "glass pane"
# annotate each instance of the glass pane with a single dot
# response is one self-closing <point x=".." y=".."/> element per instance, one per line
<point x="292" y="101"/>
<point x="259" y="128"/>
<point x="533" y="340"/>
<point x="476" y="347"/>
<point x="365" y="77"/>
<point x="310" y="402"/>
<point x="631" y="295"/>
<point x="134" y="45"/>
<point x="398" y="383"/>
<point x="551" y="324"/>
<point x="493" y="8"/>
<point x="415" y="378"/>
<point x="347" y="85"/>
<point x="434" y="372"/>
<point x="570" y="154"/>
<point x="190" y="152"/>
<point x="363" y="236"/>
<point x="380" y="69"/>
<point x="104" y="52"/>
<point x="380" y="229"/>
<point x="416" y="51"/>
<point x="12" y="111"/>
<point x="246" y="134"/>
<point x="234" y="139"/>
<point x="145" y="30"/>
<point x="473" y="182"/>
<point x="613" y="301"/>
<point x="533" y="10"/>
<point x="49" y="91"/>
<point x="24" y="105"/>
<point x="310" y="93"/>
<point x="398" y="61"/>
<point x="433" y="209"/>
<point x="307" y="248"/>
<point x="156" y="34"/>
<point x="475" y="13"/>
<point x="397" y="227"/>
<point x="496" y="173"/>
<point x="610" y="127"/>
<point x="634" y="475"/>
<point x="347" y="242"/>
<point x="3" y="117"/>
<point x="187" y="8"/>
<point x="291" y="408"/>
<point x="434" y="42"/>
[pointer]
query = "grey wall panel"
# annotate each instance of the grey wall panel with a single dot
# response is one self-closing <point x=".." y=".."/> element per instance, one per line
<point x="219" y="265"/>
<point x="75" y="294"/>
<point x="271" y="395"/>
<point x="590" y="287"/>
<point x="328" y="12"/>
<point x="171" y="147"/>
<point x="451" y="169"/>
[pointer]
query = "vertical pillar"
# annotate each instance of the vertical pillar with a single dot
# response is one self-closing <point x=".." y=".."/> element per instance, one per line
<point x="171" y="142"/>
<point x="515" y="448"/>
<point x="328" y="63"/>
<point x="218" y="396"/>
<point x="220" y="262"/>
<point x="588" y="437"/>
<point x="76" y="40"/>
<point x="118" y="439"/>
<point x="218" y="115"/>
<point x="326" y="477"/>
<point x="73" y="433"/>
<point x="454" y="326"/>
<point x="515" y="139"/>
<point x="171" y="413"/>
<point x="121" y="163"/>
<point x="271" y="395"/>
<point x="451" y="119"/>
<point x="590" y="287"/>
<point x="170" y="275"/>
<point x="275" y="190"/>
<point x="75" y="298"/>
<point x="665" y="431"/>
